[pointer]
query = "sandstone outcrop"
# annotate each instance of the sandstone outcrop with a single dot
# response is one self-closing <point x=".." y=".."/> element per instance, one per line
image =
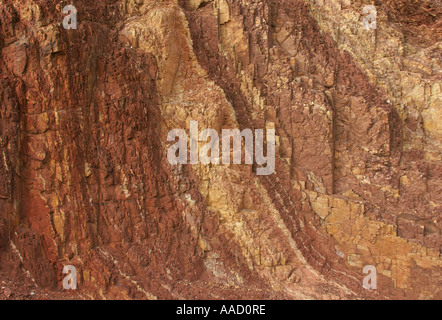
<point x="84" y="176"/>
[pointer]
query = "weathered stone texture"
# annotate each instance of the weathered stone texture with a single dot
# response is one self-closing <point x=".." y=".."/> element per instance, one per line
<point x="84" y="177"/>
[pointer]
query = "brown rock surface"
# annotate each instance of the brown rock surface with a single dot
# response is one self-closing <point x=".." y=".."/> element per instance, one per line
<point x="84" y="176"/>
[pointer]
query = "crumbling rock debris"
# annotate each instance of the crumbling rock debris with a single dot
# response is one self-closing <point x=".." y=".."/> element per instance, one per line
<point x="84" y="177"/>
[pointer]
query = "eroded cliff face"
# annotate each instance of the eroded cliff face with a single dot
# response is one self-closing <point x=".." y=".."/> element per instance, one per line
<point x="84" y="176"/>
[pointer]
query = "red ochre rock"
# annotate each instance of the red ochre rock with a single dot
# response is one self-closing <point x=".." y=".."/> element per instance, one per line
<point x="84" y="176"/>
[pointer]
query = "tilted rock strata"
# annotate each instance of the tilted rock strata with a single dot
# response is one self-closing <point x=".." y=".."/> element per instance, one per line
<point x="85" y="178"/>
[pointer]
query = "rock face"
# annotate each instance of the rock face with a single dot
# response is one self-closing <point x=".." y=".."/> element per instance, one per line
<point x="84" y="176"/>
